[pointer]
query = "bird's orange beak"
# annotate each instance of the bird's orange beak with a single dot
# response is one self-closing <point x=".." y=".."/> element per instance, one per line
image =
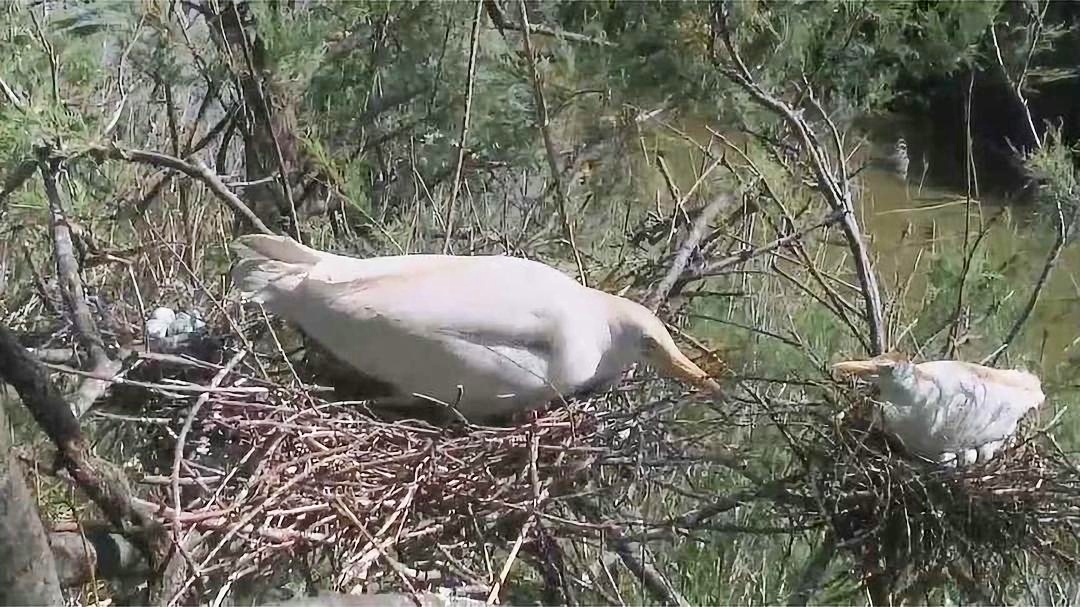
<point x="678" y="365"/>
<point x="856" y="367"/>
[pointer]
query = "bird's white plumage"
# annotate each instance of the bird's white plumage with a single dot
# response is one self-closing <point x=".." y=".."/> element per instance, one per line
<point x="512" y="333"/>
<point x="953" y="412"/>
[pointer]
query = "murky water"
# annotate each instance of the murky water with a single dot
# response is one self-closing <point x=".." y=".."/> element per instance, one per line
<point x="903" y="221"/>
<point x="907" y="221"/>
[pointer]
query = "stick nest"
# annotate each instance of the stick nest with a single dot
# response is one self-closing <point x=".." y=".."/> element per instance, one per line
<point x="272" y="476"/>
<point x="912" y="521"/>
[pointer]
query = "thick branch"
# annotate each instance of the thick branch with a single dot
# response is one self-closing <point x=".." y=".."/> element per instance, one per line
<point x="71" y="288"/>
<point x="101" y="481"/>
<point x="27" y="571"/>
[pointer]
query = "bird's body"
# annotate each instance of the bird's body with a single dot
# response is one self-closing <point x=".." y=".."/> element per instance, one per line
<point x="512" y="333"/>
<point x="952" y="412"/>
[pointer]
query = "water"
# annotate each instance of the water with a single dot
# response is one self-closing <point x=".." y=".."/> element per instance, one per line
<point x="903" y="221"/>
<point x="908" y="222"/>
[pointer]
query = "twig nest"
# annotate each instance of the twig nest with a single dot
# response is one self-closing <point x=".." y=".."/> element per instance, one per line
<point x="910" y="519"/>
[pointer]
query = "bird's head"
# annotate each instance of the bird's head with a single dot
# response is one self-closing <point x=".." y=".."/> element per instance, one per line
<point x="885" y="365"/>
<point x="656" y="347"/>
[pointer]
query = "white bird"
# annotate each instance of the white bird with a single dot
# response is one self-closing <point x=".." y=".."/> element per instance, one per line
<point x="949" y="411"/>
<point x="491" y="335"/>
<point x="157" y="326"/>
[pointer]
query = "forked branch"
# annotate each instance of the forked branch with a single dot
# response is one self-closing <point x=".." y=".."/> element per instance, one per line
<point x="833" y="187"/>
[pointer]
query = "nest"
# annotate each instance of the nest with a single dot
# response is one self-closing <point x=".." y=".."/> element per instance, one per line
<point x="272" y="476"/>
<point x="912" y="523"/>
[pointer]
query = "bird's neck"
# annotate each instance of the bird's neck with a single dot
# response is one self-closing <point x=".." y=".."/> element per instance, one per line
<point x="906" y="384"/>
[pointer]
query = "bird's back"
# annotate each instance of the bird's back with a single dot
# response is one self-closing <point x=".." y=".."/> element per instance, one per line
<point x="954" y="405"/>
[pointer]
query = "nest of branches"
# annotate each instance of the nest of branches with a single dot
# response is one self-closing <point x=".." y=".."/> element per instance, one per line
<point x="258" y="478"/>
<point x="911" y="523"/>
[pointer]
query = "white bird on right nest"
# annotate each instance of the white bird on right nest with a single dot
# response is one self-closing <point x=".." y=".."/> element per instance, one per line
<point x="949" y="411"/>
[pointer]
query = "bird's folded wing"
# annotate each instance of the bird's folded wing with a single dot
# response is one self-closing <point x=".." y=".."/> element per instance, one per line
<point x="442" y="300"/>
<point x="986" y="410"/>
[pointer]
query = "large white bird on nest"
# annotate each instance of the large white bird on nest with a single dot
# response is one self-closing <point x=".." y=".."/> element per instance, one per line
<point x="490" y="335"/>
<point x="949" y="411"/>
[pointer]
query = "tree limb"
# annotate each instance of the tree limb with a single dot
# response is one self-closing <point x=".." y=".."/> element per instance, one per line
<point x="835" y="190"/>
<point x="28" y="573"/>
<point x="90" y="389"/>
<point x="682" y="257"/>
<point x="500" y="22"/>
<point x="100" y="480"/>
<point x="195" y="169"/>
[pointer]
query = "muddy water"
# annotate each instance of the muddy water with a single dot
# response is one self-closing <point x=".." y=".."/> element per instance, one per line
<point x="906" y="221"/>
<point x="903" y="220"/>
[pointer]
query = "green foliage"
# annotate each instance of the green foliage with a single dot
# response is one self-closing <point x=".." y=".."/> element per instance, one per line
<point x="1053" y="167"/>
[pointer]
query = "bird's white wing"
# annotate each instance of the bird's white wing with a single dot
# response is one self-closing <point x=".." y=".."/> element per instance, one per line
<point x="964" y="406"/>
<point x="490" y="324"/>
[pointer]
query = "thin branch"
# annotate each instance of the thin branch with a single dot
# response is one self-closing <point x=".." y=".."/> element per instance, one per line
<point x="682" y="257"/>
<point x="549" y="142"/>
<point x="474" y="45"/>
<point x="12" y="97"/>
<point x="1016" y="85"/>
<point x="969" y="252"/>
<point x="500" y="22"/>
<point x="264" y="110"/>
<point x="636" y="557"/>
<point x="835" y="191"/>
<point x="195" y="169"/>
<point x="1052" y="257"/>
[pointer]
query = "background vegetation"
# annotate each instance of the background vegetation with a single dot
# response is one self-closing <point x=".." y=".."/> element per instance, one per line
<point x="594" y="143"/>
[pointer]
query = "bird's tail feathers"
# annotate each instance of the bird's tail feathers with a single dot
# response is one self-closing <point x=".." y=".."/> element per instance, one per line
<point x="269" y="266"/>
<point x="277" y="248"/>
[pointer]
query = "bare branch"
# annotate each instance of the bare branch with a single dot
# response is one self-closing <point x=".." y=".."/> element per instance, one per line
<point x="90" y="389"/>
<point x="1062" y="228"/>
<point x="835" y="190"/>
<point x="104" y="485"/>
<point x="636" y="557"/>
<point x="500" y="22"/>
<point x="263" y="107"/>
<point x="1016" y="85"/>
<point x="196" y="169"/>
<point x="474" y="45"/>
<point x="549" y="142"/>
<point x="682" y="257"/>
